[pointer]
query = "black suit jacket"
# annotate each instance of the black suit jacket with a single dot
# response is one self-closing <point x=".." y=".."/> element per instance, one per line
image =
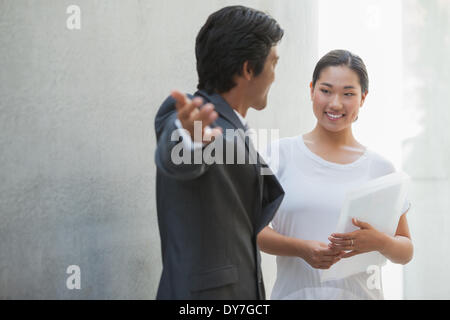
<point x="209" y="216"/>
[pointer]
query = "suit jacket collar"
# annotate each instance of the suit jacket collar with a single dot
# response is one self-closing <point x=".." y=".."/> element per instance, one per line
<point x="222" y="107"/>
<point x="268" y="199"/>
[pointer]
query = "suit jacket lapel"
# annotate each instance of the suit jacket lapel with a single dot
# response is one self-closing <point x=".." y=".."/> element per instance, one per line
<point x="227" y="112"/>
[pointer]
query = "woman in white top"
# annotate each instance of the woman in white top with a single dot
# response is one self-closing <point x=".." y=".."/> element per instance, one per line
<point x="316" y="170"/>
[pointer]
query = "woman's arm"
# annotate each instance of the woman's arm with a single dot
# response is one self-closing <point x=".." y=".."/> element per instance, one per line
<point x="315" y="253"/>
<point x="272" y="242"/>
<point x="398" y="249"/>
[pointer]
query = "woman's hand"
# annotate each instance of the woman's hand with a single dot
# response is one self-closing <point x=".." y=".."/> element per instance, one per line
<point x="366" y="239"/>
<point x="318" y="255"/>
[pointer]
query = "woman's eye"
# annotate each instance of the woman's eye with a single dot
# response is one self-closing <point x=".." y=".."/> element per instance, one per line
<point x="324" y="90"/>
<point x="349" y="94"/>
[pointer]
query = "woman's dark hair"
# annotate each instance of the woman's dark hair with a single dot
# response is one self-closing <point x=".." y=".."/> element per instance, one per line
<point x="343" y="58"/>
<point x="230" y="37"/>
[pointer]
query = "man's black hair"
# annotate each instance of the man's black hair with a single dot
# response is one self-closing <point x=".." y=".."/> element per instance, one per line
<point x="230" y="37"/>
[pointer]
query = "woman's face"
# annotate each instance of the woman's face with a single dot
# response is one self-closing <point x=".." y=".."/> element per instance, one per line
<point x="337" y="98"/>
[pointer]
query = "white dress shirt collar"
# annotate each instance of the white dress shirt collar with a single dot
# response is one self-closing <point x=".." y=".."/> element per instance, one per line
<point x="241" y="118"/>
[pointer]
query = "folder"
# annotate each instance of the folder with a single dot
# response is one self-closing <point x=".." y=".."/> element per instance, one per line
<point x="378" y="202"/>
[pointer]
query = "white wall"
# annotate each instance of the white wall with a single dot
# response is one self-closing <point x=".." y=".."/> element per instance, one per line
<point x="426" y="48"/>
<point x="77" y="144"/>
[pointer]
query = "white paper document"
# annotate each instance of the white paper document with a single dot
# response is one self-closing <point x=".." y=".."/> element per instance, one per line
<point x="378" y="202"/>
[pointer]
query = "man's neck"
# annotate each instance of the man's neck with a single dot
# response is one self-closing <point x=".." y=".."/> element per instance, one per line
<point x="236" y="100"/>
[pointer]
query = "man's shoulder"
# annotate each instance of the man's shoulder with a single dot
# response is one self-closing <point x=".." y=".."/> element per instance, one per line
<point x="167" y="105"/>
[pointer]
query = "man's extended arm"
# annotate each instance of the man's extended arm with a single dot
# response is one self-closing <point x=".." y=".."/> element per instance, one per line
<point x="176" y="147"/>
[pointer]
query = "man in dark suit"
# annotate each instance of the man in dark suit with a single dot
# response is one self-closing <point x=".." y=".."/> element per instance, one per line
<point x="210" y="213"/>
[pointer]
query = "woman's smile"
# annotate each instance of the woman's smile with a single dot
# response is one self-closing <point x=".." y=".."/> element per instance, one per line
<point x="333" y="116"/>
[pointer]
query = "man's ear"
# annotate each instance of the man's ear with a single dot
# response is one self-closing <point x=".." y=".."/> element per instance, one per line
<point x="247" y="72"/>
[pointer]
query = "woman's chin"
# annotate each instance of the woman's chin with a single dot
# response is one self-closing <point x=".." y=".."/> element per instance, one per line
<point x="333" y="127"/>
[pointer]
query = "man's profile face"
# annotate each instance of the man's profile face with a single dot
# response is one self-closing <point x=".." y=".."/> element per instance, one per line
<point x="260" y="85"/>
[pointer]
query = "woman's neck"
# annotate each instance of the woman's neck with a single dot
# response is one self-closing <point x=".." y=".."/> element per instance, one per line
<point x="336" y="139"/>
<point x="339" y="147"/>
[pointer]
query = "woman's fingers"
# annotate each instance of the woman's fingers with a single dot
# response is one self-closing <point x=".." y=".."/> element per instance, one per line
<point x="327" y="258"/>
<point x="345" y="236"/>
<point x="341" y="244"/>
<point x="333" y="252"/>
<point x="350" y="254"/>
<point x="326" y="265"/>
<point x="340" y="241"/>
<point x="361" y="224"/>
<point x="343" y="248"/>
<point x="323" y="257"/>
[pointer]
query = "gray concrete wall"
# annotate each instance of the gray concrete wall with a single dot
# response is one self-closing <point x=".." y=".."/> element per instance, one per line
<point x="426" y="47"/>
<point x="76" y="116"/>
